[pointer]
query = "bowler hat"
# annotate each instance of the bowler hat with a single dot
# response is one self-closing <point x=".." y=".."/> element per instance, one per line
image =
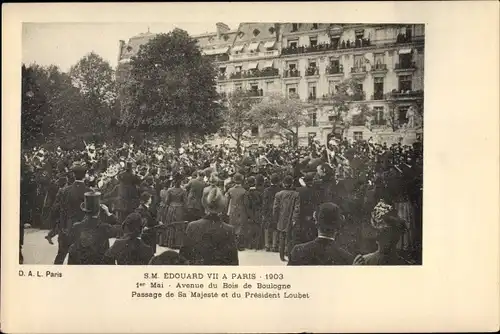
<point x="328" y="214"/>
<point x="92" y="202"/>
<point x="238" y="178"/>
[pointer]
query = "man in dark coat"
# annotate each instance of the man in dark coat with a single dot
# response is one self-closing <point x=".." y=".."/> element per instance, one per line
<point x="130" y="249"/>
<point x="253" y="208"/>
<point x="126" y="193"/>
<point x="148" y="220"/>
<point x="323" y="250"/>
<point x="209" y="241"/>
<point x="89" y="238"/>
<point x="69" y="210"/>
<point x="303" y="228"/>
<point x="270" y="233"/>
<point x="194" y="191"/>
<point x="236" y="209"/>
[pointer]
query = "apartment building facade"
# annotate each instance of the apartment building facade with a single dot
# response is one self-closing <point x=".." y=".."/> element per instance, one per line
<point x="310" y="60"/>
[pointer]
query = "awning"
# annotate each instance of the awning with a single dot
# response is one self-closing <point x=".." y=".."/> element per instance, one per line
<point x="237" y="48"/>
<point x="269" y="45"/>
<point x="253" y="65"/>
<point x="404" y="51"/>
<point x="253" y="46"/>
<point x="211" y="52"/>
<point x="268" y="63"/>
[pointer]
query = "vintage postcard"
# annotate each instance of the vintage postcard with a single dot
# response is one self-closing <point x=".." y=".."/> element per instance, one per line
<point x="250" y="161"/>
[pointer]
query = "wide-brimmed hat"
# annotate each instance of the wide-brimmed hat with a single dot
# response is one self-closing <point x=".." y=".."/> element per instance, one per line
<point x="92" y="202"/>
<point x="215" y="201"/>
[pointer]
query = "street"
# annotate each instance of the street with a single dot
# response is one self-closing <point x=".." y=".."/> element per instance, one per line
<point x="37" y="250"/>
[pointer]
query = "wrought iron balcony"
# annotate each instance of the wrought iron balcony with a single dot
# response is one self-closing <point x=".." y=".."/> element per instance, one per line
<point x="405" y="66"/>
<point x="310" y="71"/>
<point x="378" y="96"/>
<point x="358" y="70"/>
<point x="335" y="69"/>
<point x="236" y="75"/>
<point x="291" y="73"/>
<point x="256" y="93"/>
<point x="405" y="94"/>
<point x="379" y="68"/>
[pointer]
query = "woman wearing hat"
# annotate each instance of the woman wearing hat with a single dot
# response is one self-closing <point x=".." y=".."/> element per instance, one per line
<point x="389" y="229"/>
<point x="209" y="241"/>
<point x="175" y="204"/>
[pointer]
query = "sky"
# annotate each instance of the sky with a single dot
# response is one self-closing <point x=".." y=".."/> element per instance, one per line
<point x="63" y="44"/>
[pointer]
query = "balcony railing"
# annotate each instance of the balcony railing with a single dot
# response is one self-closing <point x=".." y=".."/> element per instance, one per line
<point x="378" y="96"/>
<point x="310" y="71"/>
<point x="256" y="93"/>
<point x="406" y="66"/>
<point x="335" y="69"/>
<point x="221" y="76"/>
<point x="406" y="94"/>
<point x="403" y="38"/>
<point x="359" y="43"/>
<point x="266" y="72"/>
<point x="358" y="69"/>
<point x="291" y="73"/>
<point x="312" y="98"/>
<point x="361" y="96"/>
<point x="379" y="67"/>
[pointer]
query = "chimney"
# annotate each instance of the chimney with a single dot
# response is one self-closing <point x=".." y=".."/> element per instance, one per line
<point x="222" y="28"/>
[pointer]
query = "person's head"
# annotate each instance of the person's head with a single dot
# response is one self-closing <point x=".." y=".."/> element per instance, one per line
<point x="275" y="179"/>
<point x="251" y="181"/>
<point x="288" y="182"/>
<point x="390" y="234"/>
<point x="200" y="174"/>
<point x="238" y="178"/>
<point x="328" y="218"/>
<point x="194" y="175"/>
<point x="132" y="224"/>
<point x="259" y="180"/>
<point x="145" y="198"/>
<point x="168" y="258"/>
<point x="215" y="201"/>
<point x="213" y="180"/>
<point x="79" y="171"/>
<point x="309" y="178"/>
<point x="177" y="180"/>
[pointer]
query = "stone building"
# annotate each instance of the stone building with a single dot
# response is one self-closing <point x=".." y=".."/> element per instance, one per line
<point x="311" y="59"/>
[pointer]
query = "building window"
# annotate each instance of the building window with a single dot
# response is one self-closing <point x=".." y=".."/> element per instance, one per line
<point x="358" y="61"/>
<point x="379" y="115"/>
<point x="254" y="87"/>
<point x="256" y="32"/>
<point x="331" y="118"/>
<point x="334" y="41"/>
<point x="291" y="90"/>
<point x="332" y="87"/>
<point x="378" y="88"/>
<point x="255" y="130"/>
<point x="379" y="60"/>
<point x="405" y="83"/>
<point x="315" y="26"/>
<point x="402" y="110"/>
<point x="295" y="27"/>
<point x="222" y="70"/>
<point x="292" y="66"/>
<point x="405" y="60"/>
<point x="358" y="135"/>
<point x="313" y="41"/>
<point x="312" y="91"/>
<point x="312" y="63"/>
<point x="360" y="33"/>
<point x="292" y="44"/>
<point x="312" y="119"/>
<point x="237" y="68"/>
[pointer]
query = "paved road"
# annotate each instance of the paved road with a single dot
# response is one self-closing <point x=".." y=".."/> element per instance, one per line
<point x="37" y="250"/>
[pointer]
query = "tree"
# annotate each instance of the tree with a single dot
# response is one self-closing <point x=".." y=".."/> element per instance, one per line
<point x="282" y="115"/>
<point x="172" y="88"/>
<point x="35" y="117"/>
<point x="238" y="116"/>
<point x="347" y="106"/>
<point x="94" y="78"/>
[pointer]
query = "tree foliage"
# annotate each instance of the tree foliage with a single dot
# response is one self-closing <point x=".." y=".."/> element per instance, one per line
<point x="94" y="78"/>
<point x="281" y="115"/>
<point x="347" y="106"/>
<point x="172" y="88"/>
<point x="238" y="115"/>
<point x="35" y="117"/>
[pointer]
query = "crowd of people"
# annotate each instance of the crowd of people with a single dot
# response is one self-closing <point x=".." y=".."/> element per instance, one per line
<point x="339" y="203"/>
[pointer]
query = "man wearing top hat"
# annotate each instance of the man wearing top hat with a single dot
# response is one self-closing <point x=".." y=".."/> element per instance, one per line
<point x="69" y="210"/>
<point x="89" y="238"/>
